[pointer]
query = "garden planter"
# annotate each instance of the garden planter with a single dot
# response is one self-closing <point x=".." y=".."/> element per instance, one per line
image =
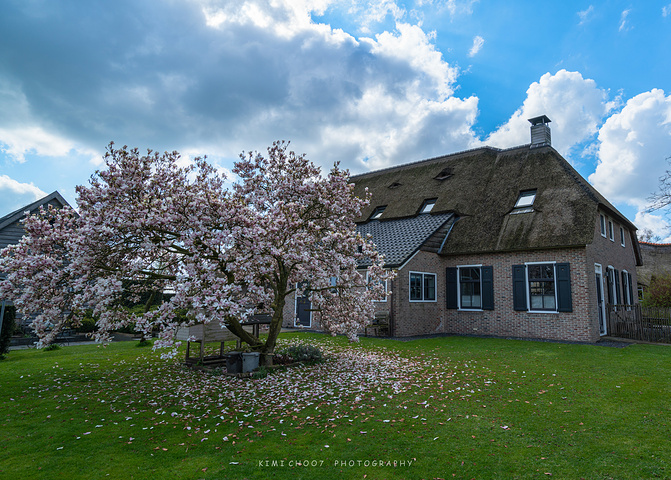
<point x="234" y="362"/>
<point x="250" y="361"/>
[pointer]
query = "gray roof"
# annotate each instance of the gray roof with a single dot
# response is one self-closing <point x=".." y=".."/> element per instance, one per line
<point x="11" y="229"/>
<point x="399" y="239"/>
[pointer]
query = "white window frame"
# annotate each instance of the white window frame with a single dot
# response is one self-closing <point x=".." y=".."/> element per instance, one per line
<point x="386" y="297"/>
<point x="602" y="221"/>
<point x="611" y="230"/>
<point x="468" y="309"/>
<point x="435" y="287"/>
<point x="622" y="237"/>
<point x="528" y="286"/>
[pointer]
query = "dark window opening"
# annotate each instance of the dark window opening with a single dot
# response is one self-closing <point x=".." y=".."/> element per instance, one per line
<point x="444" y="174"/>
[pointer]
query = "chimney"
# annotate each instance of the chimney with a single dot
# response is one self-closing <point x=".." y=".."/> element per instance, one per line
<point x="540" y="131"/>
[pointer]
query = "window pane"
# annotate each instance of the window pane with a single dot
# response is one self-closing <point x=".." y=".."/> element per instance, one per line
<point x="549" y="302"/>
<point x="526" y="199"/>
<point x="429" y="287"/>
<point x="534" y="271"/>
<point x="428" y="206"/>
<point x="415" y="286"/>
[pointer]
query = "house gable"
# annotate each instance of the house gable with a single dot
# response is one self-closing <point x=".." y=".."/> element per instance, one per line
<point x="11" y="229"/>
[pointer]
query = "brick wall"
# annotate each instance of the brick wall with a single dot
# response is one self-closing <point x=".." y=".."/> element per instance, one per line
<point x="424" y="319"/>
<point x="582" y="324"/>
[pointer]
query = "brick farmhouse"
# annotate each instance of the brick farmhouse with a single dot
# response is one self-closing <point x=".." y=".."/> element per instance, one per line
<point x="499" y="242"/>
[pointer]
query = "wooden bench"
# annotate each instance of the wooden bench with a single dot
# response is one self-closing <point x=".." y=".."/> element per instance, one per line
<point x="206" y="333"/>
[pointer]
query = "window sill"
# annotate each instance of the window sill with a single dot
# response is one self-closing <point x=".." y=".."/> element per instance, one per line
<point x="469" y="310"/>
<point x="542" y="311"/>
<point x="423" y="301"/>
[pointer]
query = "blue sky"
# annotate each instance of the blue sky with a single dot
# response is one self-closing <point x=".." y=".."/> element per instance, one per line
<point x="367" y="83"/>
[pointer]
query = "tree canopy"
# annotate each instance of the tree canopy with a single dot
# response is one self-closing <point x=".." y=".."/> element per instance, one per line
<point x="148" y="223"/>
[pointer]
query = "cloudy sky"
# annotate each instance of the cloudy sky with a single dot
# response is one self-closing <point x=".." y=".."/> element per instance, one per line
<point x="368" y="83"/>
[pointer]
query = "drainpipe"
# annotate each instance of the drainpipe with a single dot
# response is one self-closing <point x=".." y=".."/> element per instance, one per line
<point x="447" y="235"/>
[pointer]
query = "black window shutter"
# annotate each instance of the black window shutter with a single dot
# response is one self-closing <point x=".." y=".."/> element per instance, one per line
<point x="618" y="297"/>
<point x="631" y="290"/>
<point x="519" y="288"/>
<point x="451" y="285"/>
<point x="487" y="288"/>
<point x="609" y="286"/>
<point x="624" y="289"/>
<point x="564" y="298"/>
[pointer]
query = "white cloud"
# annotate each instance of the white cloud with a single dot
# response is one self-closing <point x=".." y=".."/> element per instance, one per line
<point x="654" y="223"/>
<point x="633" y="146"/>
<point x="575" y="106"/>
<point x="624" y="25"/>
<point x="585" y="14"/>
<point x="14" y="194"/>
<point x="666" y="10"/>
<point x="478" y="42"/>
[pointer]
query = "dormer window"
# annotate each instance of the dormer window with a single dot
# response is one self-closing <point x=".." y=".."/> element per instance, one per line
<point x="428" y="205"/>
<point x="377" y="213"/>
<point x="394" y="185"/>
<point x="525" y="202"/>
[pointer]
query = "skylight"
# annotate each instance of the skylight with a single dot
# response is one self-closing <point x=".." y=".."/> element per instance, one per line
<point x="444" y="174"/>
<point x="525" y="202"/>
<point x="428" y="205"/>
<point x="377" y="213"/>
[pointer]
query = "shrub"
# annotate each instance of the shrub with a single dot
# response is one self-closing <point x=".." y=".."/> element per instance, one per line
<point x="51" y="347"/>
<point x="8" y="327"/>
<point x="88" y="325"/>
<point x="302" y="353"/>
<point x="262" y="372"/>
<point x="658" y="293"/>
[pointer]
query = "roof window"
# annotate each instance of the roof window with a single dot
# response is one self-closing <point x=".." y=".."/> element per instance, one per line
<point x="394" y="185"/>
<point x="525" y="202"/>
<point x="377" y="213"/>
<point x="428" y="205"/>
<point x="444" y="174"/>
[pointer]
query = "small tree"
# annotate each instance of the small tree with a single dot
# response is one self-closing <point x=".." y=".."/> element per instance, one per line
<point x="147" y="223"/>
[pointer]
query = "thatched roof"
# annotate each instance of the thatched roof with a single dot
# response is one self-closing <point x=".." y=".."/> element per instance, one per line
<point x="481" y="187"/>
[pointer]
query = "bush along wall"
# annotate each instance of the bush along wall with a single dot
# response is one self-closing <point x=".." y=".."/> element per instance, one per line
<point x="8" y="326"/>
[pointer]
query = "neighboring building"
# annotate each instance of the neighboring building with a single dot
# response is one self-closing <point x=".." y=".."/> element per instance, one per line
<point x="502" y="242"/>
<point x="656" y="263"/>
<point x="11" y="229"/>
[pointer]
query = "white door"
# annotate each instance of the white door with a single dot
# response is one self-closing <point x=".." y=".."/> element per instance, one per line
<point x="599" y="300"/>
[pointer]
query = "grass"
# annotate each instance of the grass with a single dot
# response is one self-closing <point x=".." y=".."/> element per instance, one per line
<point x="449" y="407"/>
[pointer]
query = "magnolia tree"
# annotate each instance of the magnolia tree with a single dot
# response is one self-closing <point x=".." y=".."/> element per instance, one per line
<point x="147" y="224"/>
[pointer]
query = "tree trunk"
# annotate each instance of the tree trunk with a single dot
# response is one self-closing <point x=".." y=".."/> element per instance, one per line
<point x="278" y="317"/>
<point x="234" y="326"/>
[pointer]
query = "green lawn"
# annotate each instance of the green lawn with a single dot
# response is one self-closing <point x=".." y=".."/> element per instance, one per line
<point x="436" y="408"/>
